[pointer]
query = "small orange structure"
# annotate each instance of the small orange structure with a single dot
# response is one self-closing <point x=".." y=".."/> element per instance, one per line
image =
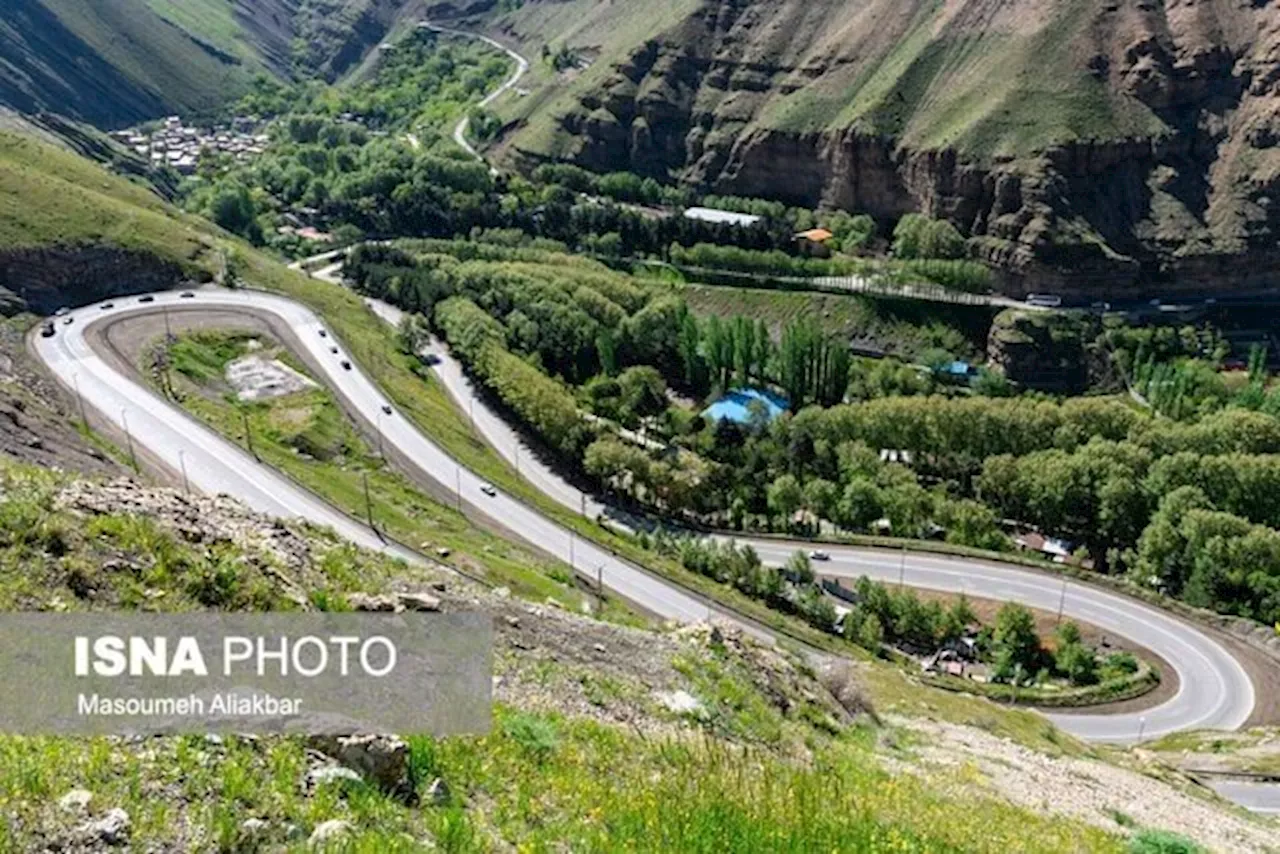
<point x="814" y="242"/>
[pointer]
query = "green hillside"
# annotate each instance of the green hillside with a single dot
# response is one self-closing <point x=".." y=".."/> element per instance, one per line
<point x="113" y="62"/>
<point x="51" y="196"/>
<point x="116" y="62"/>
<point x="984" y="77"/>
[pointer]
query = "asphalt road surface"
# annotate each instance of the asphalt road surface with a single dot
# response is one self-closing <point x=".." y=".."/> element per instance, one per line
<point x="215" y="465"/>
<point x="1259" y="797"/>
<point x="522" y="66"/>
<point x="1214" y="692"/>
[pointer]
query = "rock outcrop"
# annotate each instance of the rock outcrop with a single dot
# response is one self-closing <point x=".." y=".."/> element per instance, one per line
<point x="42" y="280"/>
<point x="1039" y="350"/>
<point x="1091" y="147"/>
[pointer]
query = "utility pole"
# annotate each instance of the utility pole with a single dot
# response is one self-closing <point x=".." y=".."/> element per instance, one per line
<point x="583" y="497"/>
<point x="75" y="380"/>
<point x="1062" y="600"/>
<point x="168" y="331"/>
<point x="377" y="428"/>
<point x="902" y="569"/>
<point x="600" y="581"/>
<point x="368" y="501"/>
<point x="517" y="456"/>
<point x="248" y="436"/>
<point x="459" y="485"/>
<point x="182" y="462"/>
<point x="571" y="556"/>
<point x="133" y="459"/>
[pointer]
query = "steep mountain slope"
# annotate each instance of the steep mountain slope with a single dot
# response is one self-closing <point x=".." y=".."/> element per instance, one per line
<point x="114" y="62"/>
<point x="110" y="62"/>
<point x="1092" y="141"/>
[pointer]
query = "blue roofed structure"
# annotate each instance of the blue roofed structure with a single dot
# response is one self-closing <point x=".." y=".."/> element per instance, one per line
<point x="736" y="405"/>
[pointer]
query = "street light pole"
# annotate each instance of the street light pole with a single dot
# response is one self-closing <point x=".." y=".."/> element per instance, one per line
<point x="368" y="501"/>
<point x="458" y="474"/>
<point x="248" y="436"/>
<point x="902" y="569"/>
<point x="75" y="380"/>
<point x="133" y="459"/>
<point x="1062" y="600"/>
<point x="182" y="462"/>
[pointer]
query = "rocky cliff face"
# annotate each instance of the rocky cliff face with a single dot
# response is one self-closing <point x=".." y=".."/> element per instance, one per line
<point x="1092" y="146"/>
<point x="1042" y="351"/>
<point x="43" y="280"/>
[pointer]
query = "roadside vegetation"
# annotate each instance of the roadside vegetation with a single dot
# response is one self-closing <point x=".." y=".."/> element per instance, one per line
<point x="541" y="777"/>
<point x="760" y="758"/>
<point x="306" y="435"/>
<point x="1132" y="494"/>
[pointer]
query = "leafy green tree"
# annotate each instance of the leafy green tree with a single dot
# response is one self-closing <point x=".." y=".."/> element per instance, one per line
<point x="908" y="236"/>
<point x="644" y="394"/>
<point x="785" y="497"/>
<point x="860" y="504"/>
<point x="957" y="619"/>
<point x="1077" y="662"/>
<point x="870" y="633"/>
<point x="821" y="498"/>
<point x="800" y="569"/>
<point x="231" y="206"/>
<point x="1014" y="642"/>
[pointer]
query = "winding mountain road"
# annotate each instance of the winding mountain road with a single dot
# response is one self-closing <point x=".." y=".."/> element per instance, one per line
<point x="522" y="67"/>
<point x="1214" y="690"/>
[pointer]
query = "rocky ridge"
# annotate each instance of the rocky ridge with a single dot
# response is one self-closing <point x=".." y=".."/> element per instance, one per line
<point x="1147" y="158"/>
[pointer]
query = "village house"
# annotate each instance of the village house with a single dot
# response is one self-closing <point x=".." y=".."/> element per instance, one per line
<point x="815" y="242"/>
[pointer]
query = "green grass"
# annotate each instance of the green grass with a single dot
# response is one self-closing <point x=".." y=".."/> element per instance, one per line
<point x="50" y="555"/>
<point x="1255" y="750"/>
<point x="922" y="73"/>
<point x="896" y="693"/>
<point x="212" y="21"/>
<point x="750" y="778"/>
<point x="543" y="783"/>
<point x="156" y="60"/>
<point x="306" y="436"/>
<point x="53" y="197"/>
<point x="202" y="357"/>
<point x="901" y="326"/>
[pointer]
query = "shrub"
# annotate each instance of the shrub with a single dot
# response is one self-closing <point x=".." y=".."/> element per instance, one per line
<point x="1162" y="842"/>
